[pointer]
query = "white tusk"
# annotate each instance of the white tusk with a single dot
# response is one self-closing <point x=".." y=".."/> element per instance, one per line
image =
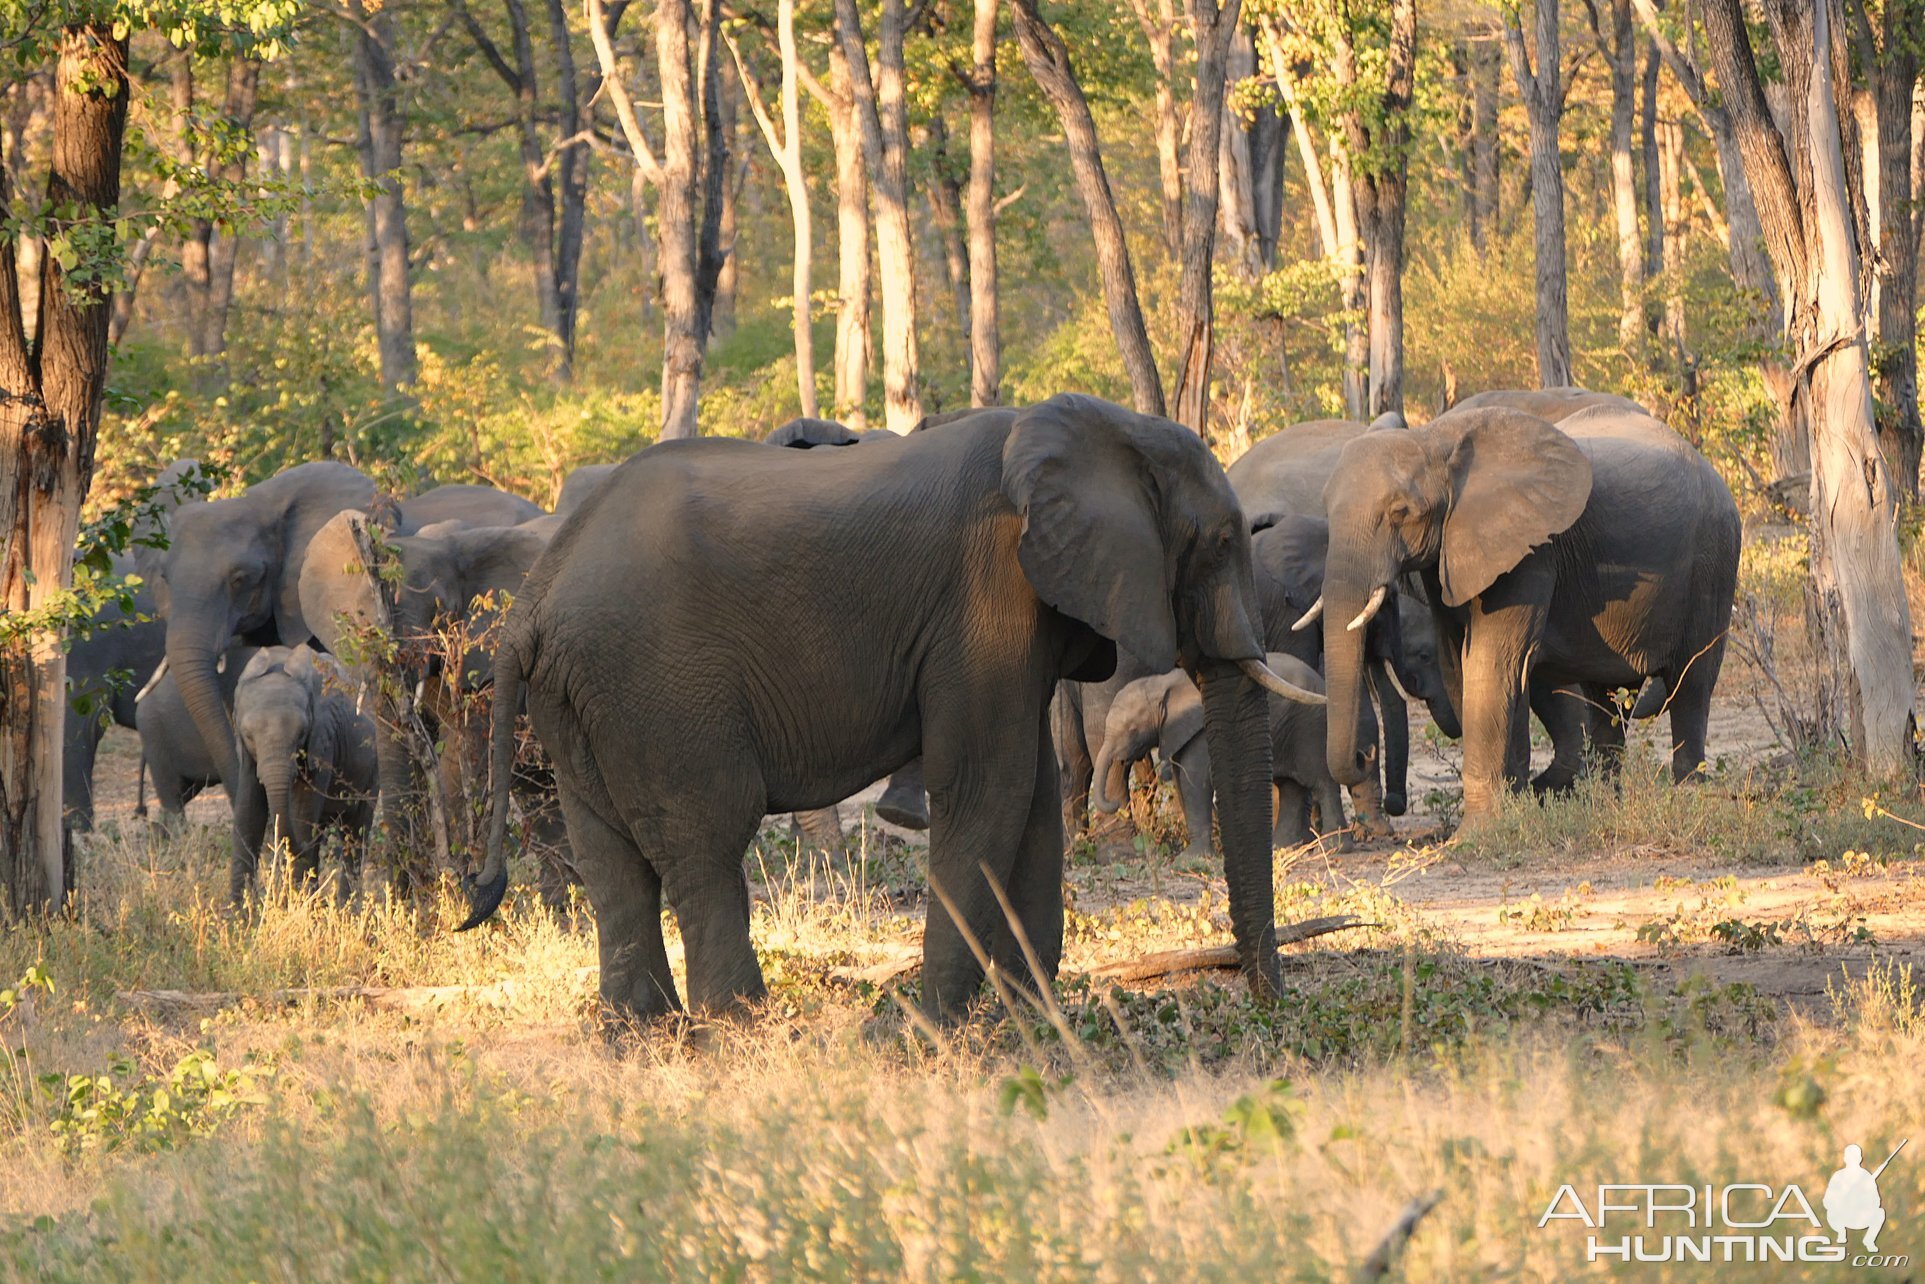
<point x="160" y="671"/>
<point x="1310" y="616"/>
<point x="220" y="665"/>
<point x="1390" y="671"/>
<point x="1266" y="677"/>
<point x="1370" y="608"/>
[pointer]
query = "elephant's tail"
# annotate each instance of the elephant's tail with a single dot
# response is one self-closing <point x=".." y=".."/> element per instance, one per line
<point x="488" y="887"/>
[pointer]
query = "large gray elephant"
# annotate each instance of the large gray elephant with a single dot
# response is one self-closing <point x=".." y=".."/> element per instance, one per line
<point x="580" y="485"/>
<point x="1283" y="477"/>
<point x="1598" y="552"/>
<point x="176" y="759"/>
<point x="723" y="632"/>
<point x="466" y="502"/>
<point x="1165" y="712"/>
<point x="305" y="764"/>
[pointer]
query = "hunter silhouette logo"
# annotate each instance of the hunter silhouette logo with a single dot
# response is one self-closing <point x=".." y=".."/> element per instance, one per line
<point x="1851" y="1197"/>
<point x="1741" y="1221"/>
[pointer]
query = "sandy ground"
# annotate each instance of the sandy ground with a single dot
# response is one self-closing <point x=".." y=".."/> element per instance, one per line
<point x="1608" y="907"/>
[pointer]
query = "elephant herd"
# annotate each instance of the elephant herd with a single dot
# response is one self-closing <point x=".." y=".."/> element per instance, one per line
<point x="1000" y="611"/>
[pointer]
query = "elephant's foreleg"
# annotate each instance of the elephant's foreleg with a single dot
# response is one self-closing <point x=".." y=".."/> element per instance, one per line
<point x="626" y="894"/>
<point x="1293" y="816"/>
<point x="1564" y="713"/>
<point x="982" y="771"/>
<point x="820" y="828"/>
<point x="904" y="800"/>
<point x="1505" y="623"/>
<point x="1035" y="885"/>
<point x="1192" y="771"/>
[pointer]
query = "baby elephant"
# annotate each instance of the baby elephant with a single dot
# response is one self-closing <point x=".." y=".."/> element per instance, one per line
<point x="306" y="763"/>
<point x="1165" y="713"/>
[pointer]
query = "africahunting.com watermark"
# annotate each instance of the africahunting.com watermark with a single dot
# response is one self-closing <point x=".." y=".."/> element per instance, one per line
<point x="1738" y="1222"/>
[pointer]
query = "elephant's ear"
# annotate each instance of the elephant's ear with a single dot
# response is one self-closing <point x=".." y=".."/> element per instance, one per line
<point x="1091" y="545"/>
<point x="1515" y="481"/>
<point x="1182" y="719"/>
<point x="1293" y="553"/>
<point x="335" y="579"/>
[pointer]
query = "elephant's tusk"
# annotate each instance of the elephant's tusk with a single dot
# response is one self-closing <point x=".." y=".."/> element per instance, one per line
<point x="1310" y="616"/>
<point x="220" y="665"/>
<point x="160" y="671"/>
<point x="1370" y="608"/>
<point x="1266" y="677"/>
<point x="1390" y="671"/>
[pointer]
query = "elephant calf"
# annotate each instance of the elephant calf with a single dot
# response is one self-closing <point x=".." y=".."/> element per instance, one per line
<point x="1165" y="712"/>
<point x="306" y="763"/>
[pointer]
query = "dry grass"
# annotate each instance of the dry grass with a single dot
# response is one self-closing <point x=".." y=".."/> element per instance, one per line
<point x="1171" y="1132"/>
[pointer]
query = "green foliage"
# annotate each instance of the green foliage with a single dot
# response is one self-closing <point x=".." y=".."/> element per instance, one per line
<point x="125" y="1109"/>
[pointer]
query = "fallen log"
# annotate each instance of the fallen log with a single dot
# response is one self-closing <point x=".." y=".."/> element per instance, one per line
<point x="1211" y="958"/>
<point x="1378" y="1264"/>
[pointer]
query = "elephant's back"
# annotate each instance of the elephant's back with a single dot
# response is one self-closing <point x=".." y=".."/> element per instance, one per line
<point x="1287" y="471"/>
<point x="1639" y="457"/>
<point x="1553" y="405"/>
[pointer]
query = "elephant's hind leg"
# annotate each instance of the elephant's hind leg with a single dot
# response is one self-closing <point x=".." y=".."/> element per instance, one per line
<point x="697" y="845"/>
<point x="1691" y="710"/>
<point x="627" y="895"/>
<point x="1563" y="711"/>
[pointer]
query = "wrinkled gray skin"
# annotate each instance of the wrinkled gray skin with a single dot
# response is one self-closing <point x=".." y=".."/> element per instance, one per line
<point x="305" y="763"/>
<point x="579" y="485"/>
<point x="466" y="502"/>
<point x="1165" y="712"/>
<point x="177" y="760"/>
<point x="1283" y="476"/>
<point x="687" y="650"/>
<point x="1590" y="555"/>
<point x="233" y="569"/>
<point x="904" y="800"/>
<point x="445" y="568"/>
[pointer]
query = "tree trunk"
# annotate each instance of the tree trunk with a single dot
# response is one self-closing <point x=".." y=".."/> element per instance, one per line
<point x="1542" y="91"/>
<point x="1620" y="52"/>
<point x="882" y="114"/>
<point x="1859" y="614"/>
<point x="1485" y="58"/>
<point x="1648" y="147"/>
<point x="1889" y="60"/>
<point x="785" y="144"/>
<point x="1048" y="61"/>
<point x="372" y="36"/>
<point x="1159" y="29"/>
<point x="572" y="172"/>
<point x="985" y="325"/>
<point x="1380" y="136"/>
<point x="1351" y="282"/>
<point x="729" y="280"/>
<point x="1214" y="24"/>
<point x="49" y="419"/>
<point x="684" y="309"/>
<point x="1236" y="170"/>
<point x="852" y="239"/>
<point x="945" y="210"/>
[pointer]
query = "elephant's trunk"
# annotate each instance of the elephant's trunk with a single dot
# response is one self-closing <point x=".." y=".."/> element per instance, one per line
<point x="395" y="769"/>
<point x="484" y="895"/>
<point x="1396" y="736"/>
<point x="277" y="782"/>
<point x="1236" y="718"/>
<point x="192" y="653"/>
<point x="1122" y="746"/>
<point x="1343" y="671"/>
